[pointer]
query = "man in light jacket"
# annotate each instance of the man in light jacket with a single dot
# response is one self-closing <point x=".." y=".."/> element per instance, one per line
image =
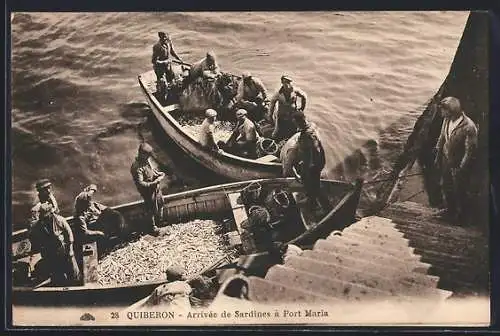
<point x="454" y="152"/>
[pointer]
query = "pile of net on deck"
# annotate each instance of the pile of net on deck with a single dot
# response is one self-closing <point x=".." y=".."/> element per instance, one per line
<point x="193" y="246"/>
<point x="202" y="93"/>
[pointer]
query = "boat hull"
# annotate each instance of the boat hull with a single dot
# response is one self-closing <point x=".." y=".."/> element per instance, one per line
<point x="210" y="202"/>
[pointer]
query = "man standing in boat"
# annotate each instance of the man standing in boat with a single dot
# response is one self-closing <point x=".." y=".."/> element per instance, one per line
<point x="311" y="161"/>
<point x="252" y="96"/>
<point x="243" y="140"/>
<point x="162" y="62"/>
<point x="52" y="236"/>
<point x="45" y="195"/>
<point x="147" y="180"/>
<point x="207" y="131"/>
<point x="286" y="97"/>
<point x="454" y="153"/>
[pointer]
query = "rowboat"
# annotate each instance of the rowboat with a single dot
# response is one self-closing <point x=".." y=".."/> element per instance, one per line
<point x="232" y="167"/>
<point x="221" y="203"/>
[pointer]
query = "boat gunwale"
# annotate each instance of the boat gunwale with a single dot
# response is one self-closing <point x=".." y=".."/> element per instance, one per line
<point x="212" y="188"/>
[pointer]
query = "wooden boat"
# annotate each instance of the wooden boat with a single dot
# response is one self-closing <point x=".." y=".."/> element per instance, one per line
<point x="220" y="203"/>
<point x="232" y="167"/>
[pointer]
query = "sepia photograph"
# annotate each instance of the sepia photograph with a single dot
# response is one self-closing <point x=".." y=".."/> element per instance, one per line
<point x="318" y="168"/>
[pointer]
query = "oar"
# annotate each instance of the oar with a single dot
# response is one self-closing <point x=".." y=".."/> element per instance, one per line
<point x="43" y="283"/>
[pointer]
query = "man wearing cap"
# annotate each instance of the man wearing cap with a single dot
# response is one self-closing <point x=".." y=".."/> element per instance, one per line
<point x="207" y="130"/>
<point x="287" y="98"/>
<point x="206" y="68"/>
<point x="52" y="236"/>
<point x="311" y="161"/>
<point x="91" y="213"/>
<point x="454" y="153"/>
<point x="251" y="96"/>
<point x="147" y="180"/>
<point x="44" y="189"/>
<point x="243" y="140"/>
<point x="161" y="57"/>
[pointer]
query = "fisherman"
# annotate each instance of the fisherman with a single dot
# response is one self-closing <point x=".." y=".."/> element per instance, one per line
<point x="45" y="195"/>
<point x="89" y="212"/>
<point x="147" y="180"/>
<point x="454" y="152"/>
<point x="286" y="97"/>
<point x="207" y="68"/>
<point x="257" y="235"/>
<point x="243" y="140"/>
<point x="162" y="62"/>
<point x="52" y="236"/>
<point x="207" y="130"/>
<point x="180" y="292"/>
<point x="310" y="161"/>
<point x="252" y="96"/>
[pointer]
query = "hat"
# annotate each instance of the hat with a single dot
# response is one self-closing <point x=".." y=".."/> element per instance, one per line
<point x="247" y="74"/>
<point x="174" y="273"/>
<point x="287" y="78"/>
<point x="241" y="112"/>
<point x="210" y="113"/>
<point x="91" y="187"/>
<point x="145" y="148"/>
<point x="42" y="184"/>
<point x="162" y="34"/>
<point x="46" y="209"/>
<point x="211" y="54"/>
<point x="452" y="103"/>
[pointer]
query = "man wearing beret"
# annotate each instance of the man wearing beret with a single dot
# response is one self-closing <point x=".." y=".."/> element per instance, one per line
<point x="52" y="236"/>
<point x="207" y="130"/>
<point x="45" y="195"/>
<point x="161" y="57"/>
<point x="455" y="150"/>
<point x="88" y="212"/>
<point x="147" y="180"/>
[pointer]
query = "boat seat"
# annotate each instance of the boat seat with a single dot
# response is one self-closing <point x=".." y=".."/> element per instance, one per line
<point x="239" y="211"/>
<point x="268" y="158"/>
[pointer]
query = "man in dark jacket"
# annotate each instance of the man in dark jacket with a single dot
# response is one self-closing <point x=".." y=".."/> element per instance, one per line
<point x="454" y="152"/>
<point x="161" y="57"/>
<point x="45" y="195"/>
<point x="147" y="180"/>
<point x="311" y="161"/>
<point x="52" y="236"/>
<point x="88" y="212"/>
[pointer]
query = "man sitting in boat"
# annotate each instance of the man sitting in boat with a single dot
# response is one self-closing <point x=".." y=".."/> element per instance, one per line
<point x="243" y="140"/>
<point x="52" y="236"/>
<point x="207" y="130"/>
<point x="162" y="62"/>
<point x="311" y="161"/>
<point x="252" y="96"/>
<point x="45" y="195"/>
<point x="147" y="180"/>
<point x="286" y="97"/>
<point x="91" y="213"/>
<point x="257" y="235"/>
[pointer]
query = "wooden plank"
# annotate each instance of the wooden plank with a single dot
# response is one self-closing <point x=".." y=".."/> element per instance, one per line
<point x="268" y="158"/>
<point x="233" y="199"/>
<point x="240" y="215"/>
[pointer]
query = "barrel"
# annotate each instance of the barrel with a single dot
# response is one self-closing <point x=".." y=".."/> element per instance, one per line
<point x="207" y="209"/>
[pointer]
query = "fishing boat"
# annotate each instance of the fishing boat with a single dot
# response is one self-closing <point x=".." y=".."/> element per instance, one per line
<point x="167" y="110"/>
<point x="223" y="203"/>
